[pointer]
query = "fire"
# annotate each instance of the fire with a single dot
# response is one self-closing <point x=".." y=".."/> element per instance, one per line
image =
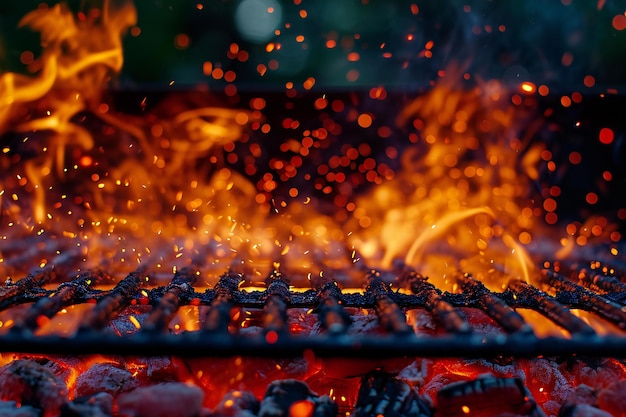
<point x="462" y="191"/>
<point x="72" y="77"/>
<point x="86" y="181"/>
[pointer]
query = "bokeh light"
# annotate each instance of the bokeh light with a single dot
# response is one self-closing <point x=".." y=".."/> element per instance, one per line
<point x="256" y="20"/>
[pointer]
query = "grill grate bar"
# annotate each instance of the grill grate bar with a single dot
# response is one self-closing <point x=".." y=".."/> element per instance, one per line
<point x="494" y="306"/>
<point x="584" y="299"/>
<point x="447" y="315"/>
<point x="22" y="291"/>
<point x="276" y="300"/>
<point x="600" y="283"/>
<point x="550" y="308"/>
<point x="66" y="294"/>
<point x="202" y="344"/>
<point x="389" y="314"/>
<point x="109" y="305"/>
<point x="217" y="318"/>
<point x="330" y="305"/>
<point x="332" y="316"/>
<point x="178" y="291"/>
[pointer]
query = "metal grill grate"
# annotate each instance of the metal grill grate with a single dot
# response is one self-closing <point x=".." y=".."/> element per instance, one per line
<point x="602" y="296"/>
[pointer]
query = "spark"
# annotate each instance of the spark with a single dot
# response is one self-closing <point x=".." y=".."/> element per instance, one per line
<point x="134" y="321"/>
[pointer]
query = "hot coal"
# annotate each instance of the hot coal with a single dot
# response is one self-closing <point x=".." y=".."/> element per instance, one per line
<point x="97" y="405"/>
<point x="291" y="397"/>
<point x="382" y="394"/>
<point x="613" y="398"/>
<point x="29" y="383"/>
<point x="218" y="376"/>
<point x="10" y="409"/>
<point x="155" y="369"/>
<point x="237" y="404"/>
<point x="172" y="399"/>
<point x="582" y="410"/>
<point x="583" y="401"/>
<point x="105" y="378"/>
<point x="486" y="396"/>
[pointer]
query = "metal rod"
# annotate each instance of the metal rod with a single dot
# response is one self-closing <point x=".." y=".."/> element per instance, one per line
<point x="601" y="283"/>
<point x="21" y="292"/>
<point x="168" y="303"/>
<point x="446" y="314"/>
<point x="276" y="301"/>
<point x="111" y="304"/>
<point x="549" y="307"/>
<point x="201" y="344"/>
<point x="494" y="306"/>
<point x="333" y="317"/>
<point x="217" y="318"/>
<point x="584" y="299"/>
<point x="66" y="294"/>
<point x="390" y="315"/>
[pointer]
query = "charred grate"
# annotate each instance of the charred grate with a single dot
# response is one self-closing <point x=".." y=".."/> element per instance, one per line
<point x="600" y="295"/>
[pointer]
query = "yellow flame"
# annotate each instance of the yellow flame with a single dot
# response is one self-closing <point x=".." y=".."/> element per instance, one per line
<point x="458" y="202"/>
<point x="460" y="197"/>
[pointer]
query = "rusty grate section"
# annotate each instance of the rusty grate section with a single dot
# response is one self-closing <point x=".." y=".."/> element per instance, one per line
<point x="602" y="296"/>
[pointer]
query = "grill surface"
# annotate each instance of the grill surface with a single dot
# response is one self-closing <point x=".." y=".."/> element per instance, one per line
<point x="604" y="296"/>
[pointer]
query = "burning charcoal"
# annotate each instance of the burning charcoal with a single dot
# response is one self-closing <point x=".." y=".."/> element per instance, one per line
<point x="598" y="373"/>
<point x="155" y="369"/>
<point x="29" y="383"/>
<point x="582" y="394"/>
<point x="237" y="404"/>
<point x="293" y="398"/>
<point x="218" y="376"/>
<point x="64" y="367"/>
<point x="105" y="377"/>
<point x="10" y="409"/>
<point x="582" y="410"/>
<point x="486" y="396"/>
<point x="613" y="398"/>
<point x="341" y="390"/>
<point x="547" y="382"/>
<point x="98" y="405"/>
<point x="173" y="399"/>
<point x="382" y="394"/>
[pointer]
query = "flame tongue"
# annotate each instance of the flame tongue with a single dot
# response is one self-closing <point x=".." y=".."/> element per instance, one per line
<point x="79" y="54"/>
<point x="458" y="201"/>
<point x="162" y="187"/>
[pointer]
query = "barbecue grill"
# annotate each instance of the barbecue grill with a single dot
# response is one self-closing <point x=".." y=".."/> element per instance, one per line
<point x="601" y="295"/>
<point x="315" y="192"/>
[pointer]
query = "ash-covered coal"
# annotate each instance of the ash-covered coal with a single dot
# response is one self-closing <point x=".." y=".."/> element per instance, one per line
<point x="291" y="397"/>
<point x="237" y="404"/>
<point x="31" y="384"/>
<point x="487" y="396"/>
<point x="97" y="405"/>
<point x="382" y="394"/>
<point x="10" y="409"/>
<point x="162" y="400"/>
<point x="105" y="377"/>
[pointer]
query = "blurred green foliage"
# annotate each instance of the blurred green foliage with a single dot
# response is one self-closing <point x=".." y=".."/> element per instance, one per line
<point x="512" y="41"/>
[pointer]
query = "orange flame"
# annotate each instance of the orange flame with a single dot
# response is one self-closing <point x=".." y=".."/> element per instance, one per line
<point x="77" y="58"/>
<point x="459" y="201"/>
